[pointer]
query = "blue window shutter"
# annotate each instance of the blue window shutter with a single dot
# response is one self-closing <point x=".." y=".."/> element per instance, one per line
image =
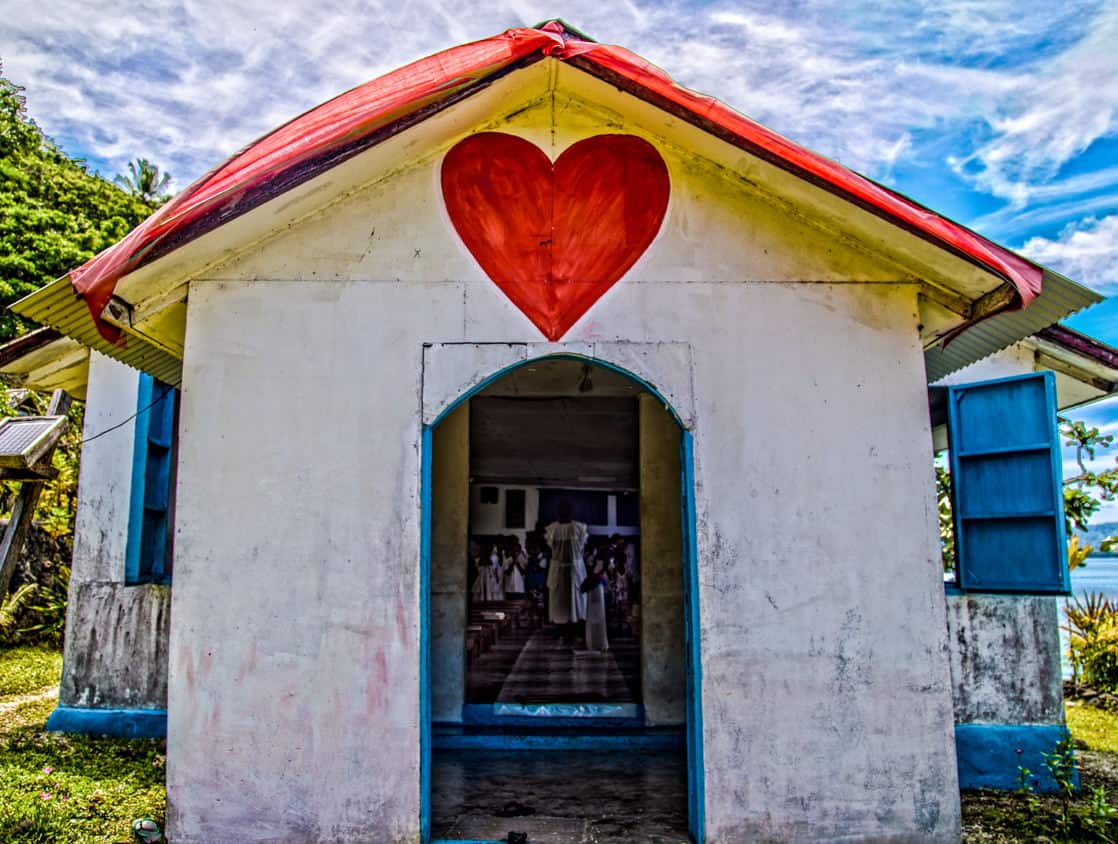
<point x="1007" y="482"/>
<point x="147" y="558"/>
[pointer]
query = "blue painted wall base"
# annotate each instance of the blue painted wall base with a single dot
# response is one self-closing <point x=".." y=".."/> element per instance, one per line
<point x="123" y="723"/>
<point x="988" y="757"/>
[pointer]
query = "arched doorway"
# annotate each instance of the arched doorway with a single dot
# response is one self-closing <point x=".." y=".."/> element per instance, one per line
<point x="552" y="440"/>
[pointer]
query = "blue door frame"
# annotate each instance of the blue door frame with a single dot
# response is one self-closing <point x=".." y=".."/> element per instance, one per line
<point x="693" y="645"/>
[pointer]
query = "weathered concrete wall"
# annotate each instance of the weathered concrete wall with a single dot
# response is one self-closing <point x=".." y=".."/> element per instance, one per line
<point x="1005" y="659"/>
<point x="663" y="677"/>
<point x="116" y="646"/>
<point x="295" y="664"/>
<point x="116" y="635"/>
<point x="450" y="518"/>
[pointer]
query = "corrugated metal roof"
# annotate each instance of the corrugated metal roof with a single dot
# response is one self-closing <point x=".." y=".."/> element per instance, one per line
<point x="1059" y="298"/>
<point x="59" y="307"/>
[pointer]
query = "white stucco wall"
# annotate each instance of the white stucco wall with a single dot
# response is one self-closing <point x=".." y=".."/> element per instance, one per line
<point x="295" y="658"/>
<point x="115" y="652"/>
<point x="105" y="477"/>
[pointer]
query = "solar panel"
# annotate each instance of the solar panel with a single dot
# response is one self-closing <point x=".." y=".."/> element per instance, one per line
<point x="25" y="439"/>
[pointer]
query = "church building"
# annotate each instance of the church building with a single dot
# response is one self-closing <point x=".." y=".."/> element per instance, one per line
<point x="522" y="442"/>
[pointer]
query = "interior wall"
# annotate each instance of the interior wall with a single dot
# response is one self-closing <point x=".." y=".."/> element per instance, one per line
<point x="450" y="522"/>
<point x="663" y="669"/>
<point x="490" y="518"/>
<point x="589" y="441"/>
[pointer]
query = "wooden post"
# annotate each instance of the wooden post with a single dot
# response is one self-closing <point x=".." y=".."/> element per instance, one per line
<point x="20" y="524"/>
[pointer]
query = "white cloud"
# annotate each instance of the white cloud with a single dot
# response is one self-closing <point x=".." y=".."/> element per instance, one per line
<point x="1085" y="251"/>
<point x="1103" y="416"/>
<point x="188" y="83"/>
<point x="1060" y="108"/>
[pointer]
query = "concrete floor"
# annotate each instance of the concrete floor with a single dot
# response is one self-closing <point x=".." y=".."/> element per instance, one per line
<point x="560" y="797"/>
<point x="531" y="666"/>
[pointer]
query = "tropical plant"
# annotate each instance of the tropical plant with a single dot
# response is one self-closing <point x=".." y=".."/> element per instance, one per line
<point x="1085" y="492"/>
<point x="12" y="610"/>
<point x="50" y="610"/>
<point x="145" y="181"/>
<point x="36" y="612"/>
<point x="1078" y="552"/>
<point x="946" y="523"/>
<point x="1092" y="627"/>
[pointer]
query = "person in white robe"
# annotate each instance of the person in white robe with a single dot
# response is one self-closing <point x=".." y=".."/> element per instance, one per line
<point x="566" y="571"/>
<point x="495" y="589"/>
<point x="515" y="566"/>
<point x="477" y="572"/>
<point x="596" y="638"/>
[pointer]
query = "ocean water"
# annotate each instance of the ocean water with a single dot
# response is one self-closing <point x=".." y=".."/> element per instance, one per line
<point x="1099" y="575"/>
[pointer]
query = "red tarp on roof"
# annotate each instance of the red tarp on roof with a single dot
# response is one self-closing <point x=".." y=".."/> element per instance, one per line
<point x="334" y="126"/>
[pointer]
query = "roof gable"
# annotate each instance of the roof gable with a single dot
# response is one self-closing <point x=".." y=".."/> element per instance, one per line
<point x="364" y="116"/>
<point x="719" y="227"/>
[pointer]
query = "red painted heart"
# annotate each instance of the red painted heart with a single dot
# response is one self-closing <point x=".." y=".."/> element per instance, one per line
<point x="555" y="238"/>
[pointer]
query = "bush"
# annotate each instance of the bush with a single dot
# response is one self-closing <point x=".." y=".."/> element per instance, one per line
<point x="35" y="614"/>
<point x="1093" y="637"/>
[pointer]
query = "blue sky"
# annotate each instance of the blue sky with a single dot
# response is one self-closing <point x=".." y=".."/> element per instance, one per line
<point x="1002" y="114"/>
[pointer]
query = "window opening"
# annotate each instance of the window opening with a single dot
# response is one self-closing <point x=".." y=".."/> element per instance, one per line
<point x="149" y="552"/>
<point x="514" y="508"/>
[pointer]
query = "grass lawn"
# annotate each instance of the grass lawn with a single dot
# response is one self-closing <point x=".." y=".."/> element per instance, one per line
<point x="1097" y="727"/>
<point x="58" y="788"/>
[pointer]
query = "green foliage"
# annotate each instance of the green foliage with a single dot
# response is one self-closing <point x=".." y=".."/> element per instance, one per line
<point x="1101" y="816"/>
<point x="946" y="523"/>
<point x="1064" y="769"/>
<point x="1066" y="818"/>
<point x="36" y="612"/>
<point x="12" y="610"/>
<point x="54" y="213"/>
<point x="49" y="609"/>
<point x="1026" y="784"/>
<point x="1092" y="626"/>
<point x="1084" y="493"/>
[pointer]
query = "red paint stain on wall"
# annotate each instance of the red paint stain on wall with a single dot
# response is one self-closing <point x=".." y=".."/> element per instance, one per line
<point x="401" y="621"/>
<point x="376" y="682"/>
